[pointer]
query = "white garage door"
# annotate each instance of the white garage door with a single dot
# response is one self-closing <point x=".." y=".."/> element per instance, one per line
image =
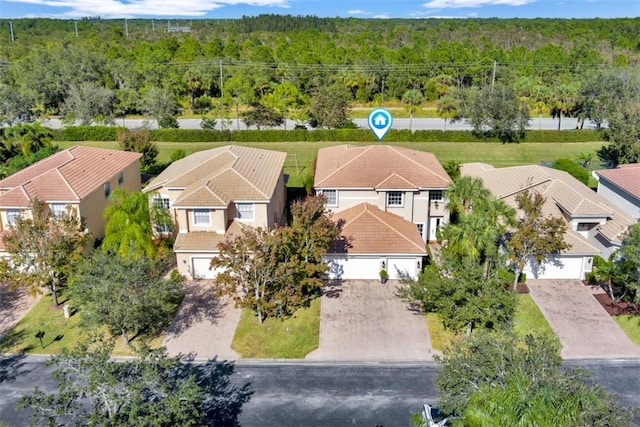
<point x="557" y="268"/>
<point x="354" y="268"/>
<point x="402" y="264"/>
<point x="201" y="268"/>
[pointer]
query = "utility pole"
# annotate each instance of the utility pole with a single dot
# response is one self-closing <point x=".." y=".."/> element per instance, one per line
<point x="75" y="24"/>
<point x="221" y="81"/>
<point x="126" y="28"/>
<point x="11" y="29"/>
<point x="153" y="25"/>
<point x="493" y="75"/>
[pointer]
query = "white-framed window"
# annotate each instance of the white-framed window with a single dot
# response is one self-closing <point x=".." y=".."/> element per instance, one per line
<point x="420" y="229"/>
<point x="436" y="195"/>
<point x="120" y="178"/>
<point x="12" y="216"/>
<point x="107" y="190"/>
<point x="394" y="198"/>
<point x="245" y="211"/>
<point x="331" y="196"/>
<point x="162" y="202"/>
<point x="201" y="217"/>
<point x="58" y="209"/>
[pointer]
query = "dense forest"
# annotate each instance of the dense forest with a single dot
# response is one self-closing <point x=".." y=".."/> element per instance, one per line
<point x="310" y="69"/>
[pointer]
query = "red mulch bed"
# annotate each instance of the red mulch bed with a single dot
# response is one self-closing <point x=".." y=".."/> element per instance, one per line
<point x="616" y="308"/>
<point x="522" y="288"/>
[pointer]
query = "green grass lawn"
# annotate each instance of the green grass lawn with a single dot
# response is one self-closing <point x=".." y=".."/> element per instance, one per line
<point x="292" y="338"/>
<point x="497" y="154"/>
<point x="60" y="332"/>
<point x="527" y="320"/>
<point x="630" y="324"/>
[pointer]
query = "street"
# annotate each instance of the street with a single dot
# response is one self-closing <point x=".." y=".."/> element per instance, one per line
<point x="545" y="123"/>
<point x="320" y="394"/>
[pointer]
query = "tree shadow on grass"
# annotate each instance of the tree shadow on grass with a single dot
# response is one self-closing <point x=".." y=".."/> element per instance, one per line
<point x="200" y="303"/>
<point x="13" y="338"/>
<point x="224" y="401"/>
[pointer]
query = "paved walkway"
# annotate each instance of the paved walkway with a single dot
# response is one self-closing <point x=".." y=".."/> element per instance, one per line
<point x="204" y="326"/>
<point x="364" y="320"/>
<point x="582" y="324"/>
<point x="14" y="304"/>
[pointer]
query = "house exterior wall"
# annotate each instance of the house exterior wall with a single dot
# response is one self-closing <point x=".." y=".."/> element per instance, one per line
<point x="559" y="267"/>
<point x="621" y="199"/>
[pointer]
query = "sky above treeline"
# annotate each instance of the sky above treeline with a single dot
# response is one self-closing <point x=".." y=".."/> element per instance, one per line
<point x="216" y="9"/>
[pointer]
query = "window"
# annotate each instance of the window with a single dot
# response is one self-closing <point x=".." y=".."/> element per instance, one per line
<point x="436" y="195"/>
<point x="12" y="216"/>
<point x="586" y="226"/>
<point x="331" y="196"/>
<point x="201" y="217"/>
<point x="120" y="178"/>
<point x="107" y="189"/>
<point x="161" y="202"/>
<point x="420" y="229"/>
<point x="244" y="211"/>
<point x="394" y="198"/>
<point x="58" y="209"/>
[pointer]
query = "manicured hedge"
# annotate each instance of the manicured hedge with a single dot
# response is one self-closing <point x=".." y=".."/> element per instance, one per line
<point x="108" y="133"/>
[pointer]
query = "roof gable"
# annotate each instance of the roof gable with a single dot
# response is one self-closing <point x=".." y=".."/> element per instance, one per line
<point x="625" y="177"/>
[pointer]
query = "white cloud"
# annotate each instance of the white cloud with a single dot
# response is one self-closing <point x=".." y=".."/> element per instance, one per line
<point x="356" y="12"/>
<point x="452" y="4"/>
<point x="131" y="8"/>
<point x="382" y="16"/>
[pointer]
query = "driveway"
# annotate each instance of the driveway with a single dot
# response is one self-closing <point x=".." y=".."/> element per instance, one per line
<point x="364" y="320"/>
<point x="582" y="324"/>
<point x="14" y="304"/>
<point x="204" y="325"/>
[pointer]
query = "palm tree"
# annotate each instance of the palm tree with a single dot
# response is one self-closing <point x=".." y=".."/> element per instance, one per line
<point x="412" y="99"/>
<point x="30" y="137"/>
<point x="605" y="272"/>
<point x="447" y="109"/>
<point x="463" y="194"/>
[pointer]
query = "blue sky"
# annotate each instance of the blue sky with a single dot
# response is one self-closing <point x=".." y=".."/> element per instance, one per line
<point x="355" y="8"/>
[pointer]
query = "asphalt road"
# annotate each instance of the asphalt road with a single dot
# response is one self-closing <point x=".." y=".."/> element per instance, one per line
<point x="320" y="394"/>
<point x="417" y="124"/>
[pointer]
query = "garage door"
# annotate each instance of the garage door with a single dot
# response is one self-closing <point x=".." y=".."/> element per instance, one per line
<point x="354" y="268"/>
<point x="201" y="268"/>
<point x="557" y="268"/>
<point x="401" y="264"/>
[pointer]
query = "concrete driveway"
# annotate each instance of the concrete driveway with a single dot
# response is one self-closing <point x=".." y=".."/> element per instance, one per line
<point x="14" y="304"/>
<point x="204" y="325"/>
<point x="582" y="324"/>
<point x="364" y="320"/>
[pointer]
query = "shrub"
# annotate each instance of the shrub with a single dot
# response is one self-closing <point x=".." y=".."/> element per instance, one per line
<point x="573" y="168"/>
<point x="87" y="133"/>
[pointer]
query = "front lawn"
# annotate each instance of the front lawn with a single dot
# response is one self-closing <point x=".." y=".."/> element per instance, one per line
<point x="630" y="324"/>
<point x="497" y="154"/>
<point x="528" y="319"/>
<point x="292" y="338"/>
<point x="60" y="332"/>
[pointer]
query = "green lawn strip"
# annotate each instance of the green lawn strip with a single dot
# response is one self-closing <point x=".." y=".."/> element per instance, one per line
<point x="292" y="338"/>
<point x="529" y="319"/>
<point x="499" y="155"/>
<point x="60" y="332"/>
<point x="630" y="324"/>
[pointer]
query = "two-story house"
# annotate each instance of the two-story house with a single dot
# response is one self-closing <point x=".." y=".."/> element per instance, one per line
<point x="621" y="187"/>
<point x="211" y="194"/>
<point x="78" y="179"/>
<point x="391" y="200"/>
<point x="594" y="226"/>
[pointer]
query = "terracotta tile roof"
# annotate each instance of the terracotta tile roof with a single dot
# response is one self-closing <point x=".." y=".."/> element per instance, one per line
<point x="625" y="177"/>
<point x="373" y="231"/>
<point x="562" y="191"/>
<point x="205" y="241"/>
<point x="69" y="175"/>
<point x="222" y="175"/>
<point x="378" y="166"/>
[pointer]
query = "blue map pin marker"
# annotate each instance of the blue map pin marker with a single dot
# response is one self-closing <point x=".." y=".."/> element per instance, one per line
<point x="380" y="121"/>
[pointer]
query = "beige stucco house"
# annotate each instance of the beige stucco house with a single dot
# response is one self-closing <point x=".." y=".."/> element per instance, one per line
<point x="211" y="194"/>
<point x="594" y="226"/>
<point x="385" y="191"/>
<point x="79" y="178"/>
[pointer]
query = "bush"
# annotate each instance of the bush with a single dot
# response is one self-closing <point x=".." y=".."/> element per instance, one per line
<point x="574" y="169"/>
<point x="87" y="133"/>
